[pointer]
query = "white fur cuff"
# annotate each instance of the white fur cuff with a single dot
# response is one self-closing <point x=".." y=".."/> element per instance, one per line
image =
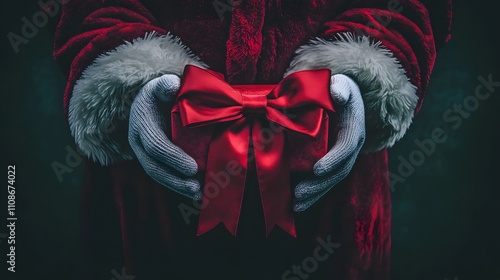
<point x="101" y="99"/>
<point x="389" y="97"/>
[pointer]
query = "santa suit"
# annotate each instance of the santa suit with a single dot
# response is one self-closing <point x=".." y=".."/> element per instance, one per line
<point x="111" y="48"/>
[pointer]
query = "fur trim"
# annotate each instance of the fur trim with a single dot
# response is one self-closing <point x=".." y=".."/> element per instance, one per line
<point x="101" y="99"/>
<point x="389" y="97"/>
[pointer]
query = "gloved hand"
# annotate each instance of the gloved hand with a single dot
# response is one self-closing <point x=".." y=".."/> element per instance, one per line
<point x="338" y="162"/>
<point x="161" y="159"/>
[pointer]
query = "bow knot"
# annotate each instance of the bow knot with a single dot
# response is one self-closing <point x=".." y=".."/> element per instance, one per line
<point x="253" y="104"/>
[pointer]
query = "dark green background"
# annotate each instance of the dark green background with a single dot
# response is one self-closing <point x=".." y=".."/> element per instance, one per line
<point x="446" y="215"/>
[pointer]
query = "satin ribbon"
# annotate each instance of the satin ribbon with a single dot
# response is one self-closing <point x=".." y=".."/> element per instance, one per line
<point x="251" y="122"/>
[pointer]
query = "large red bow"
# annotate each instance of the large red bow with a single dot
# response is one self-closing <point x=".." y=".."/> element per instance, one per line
<point x="260" y="113"/>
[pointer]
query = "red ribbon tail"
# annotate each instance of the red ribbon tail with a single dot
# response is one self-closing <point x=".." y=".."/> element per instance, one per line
<point x="278" y="212"/>
<point x="225" y="179"/>
<point x="287" y="226"/>
<point x="274" y="179"/>
<point x="206" y="225"/>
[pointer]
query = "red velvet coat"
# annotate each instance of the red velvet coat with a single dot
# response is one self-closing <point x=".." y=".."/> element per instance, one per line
<point x="130" y="220"/>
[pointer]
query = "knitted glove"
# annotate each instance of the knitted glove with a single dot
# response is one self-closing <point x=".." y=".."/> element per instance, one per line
<point x="338" y="162"/>
<point x="163" y="161"/>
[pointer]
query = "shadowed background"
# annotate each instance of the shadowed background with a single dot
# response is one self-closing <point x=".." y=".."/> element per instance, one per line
<point x="446" y="210"/>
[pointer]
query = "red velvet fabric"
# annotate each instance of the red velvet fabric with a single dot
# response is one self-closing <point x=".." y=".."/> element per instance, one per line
<point x="125" y="212"/>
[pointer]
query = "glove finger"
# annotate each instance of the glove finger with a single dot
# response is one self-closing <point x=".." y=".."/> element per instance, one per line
<point x="312" y="187"/>
<point x="351" y="120"/>
<point x="166" y="177"/>
<point x="309" y="188"/>
<point x="300" y="206"/>
<point x="158" y="146"/>
<point x="347" y="146"/>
